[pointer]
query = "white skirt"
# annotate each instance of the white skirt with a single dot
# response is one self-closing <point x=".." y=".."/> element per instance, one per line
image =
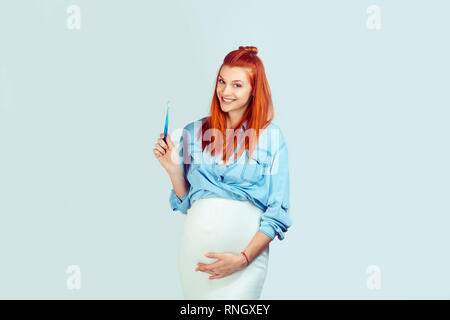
<point x="220" y="225"/>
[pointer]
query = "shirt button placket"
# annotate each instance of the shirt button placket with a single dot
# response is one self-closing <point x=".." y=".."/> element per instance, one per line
<point x="220" y="170"/>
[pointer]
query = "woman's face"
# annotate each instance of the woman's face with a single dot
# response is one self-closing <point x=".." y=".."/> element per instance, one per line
<point x="233" y="85"/>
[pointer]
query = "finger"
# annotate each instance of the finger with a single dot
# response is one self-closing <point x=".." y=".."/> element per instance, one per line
<point x="214" y="264"/>
<point x="162" y="143"/>
<point x="216" y="277"/>
<point x="160" y="149"/>
<point x="213" y="255"/>
<point x="169" y="142"/>
<point x="210" y="267"/>
<point x="157" y="153"/>
<point x="209" y="272"/>
<point x="158" y="143"/>
<point x="205" y="268"/>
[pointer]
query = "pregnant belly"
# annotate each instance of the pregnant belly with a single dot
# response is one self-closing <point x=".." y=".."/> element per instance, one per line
<point x="218" y="225"/>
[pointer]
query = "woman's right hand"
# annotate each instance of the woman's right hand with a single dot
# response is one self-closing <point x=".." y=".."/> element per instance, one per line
<point x="167" y="154"/>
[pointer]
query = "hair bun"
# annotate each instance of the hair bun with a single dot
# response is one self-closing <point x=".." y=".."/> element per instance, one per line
<point x="249" y="49"/>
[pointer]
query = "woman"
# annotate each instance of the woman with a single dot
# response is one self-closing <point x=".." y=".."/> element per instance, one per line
<point x="234" y="208"/>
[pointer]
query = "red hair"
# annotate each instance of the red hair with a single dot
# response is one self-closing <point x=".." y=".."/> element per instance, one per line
<point x="258" y="114"/>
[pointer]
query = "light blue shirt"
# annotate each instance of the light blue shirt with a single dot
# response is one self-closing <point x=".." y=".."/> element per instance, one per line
<point x="263" y="181"/>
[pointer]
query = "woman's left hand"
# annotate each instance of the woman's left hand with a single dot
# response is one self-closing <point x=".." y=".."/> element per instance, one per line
<point x="226" y="264"/>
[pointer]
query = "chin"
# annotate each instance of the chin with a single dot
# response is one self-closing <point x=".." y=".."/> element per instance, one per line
<point x="225" y="108"/>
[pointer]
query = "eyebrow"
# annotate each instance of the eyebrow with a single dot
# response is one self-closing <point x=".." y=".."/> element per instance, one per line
<point x="233" y="80"/>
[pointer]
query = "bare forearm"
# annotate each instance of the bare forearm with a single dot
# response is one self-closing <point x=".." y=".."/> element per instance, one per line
<point x="180" y="185"/>
<point x="256" y="245"/>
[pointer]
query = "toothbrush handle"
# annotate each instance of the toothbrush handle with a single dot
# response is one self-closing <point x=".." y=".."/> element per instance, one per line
<point x="165" y="128"/>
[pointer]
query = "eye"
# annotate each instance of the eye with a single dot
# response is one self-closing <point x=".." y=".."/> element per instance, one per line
<point x="237" y="84"/>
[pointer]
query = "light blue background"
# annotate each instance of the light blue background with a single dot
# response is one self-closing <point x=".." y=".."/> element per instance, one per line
<point x="365" y="114"/>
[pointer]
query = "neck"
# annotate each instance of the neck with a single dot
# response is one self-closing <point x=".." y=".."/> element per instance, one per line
<point x="233" y="118"/>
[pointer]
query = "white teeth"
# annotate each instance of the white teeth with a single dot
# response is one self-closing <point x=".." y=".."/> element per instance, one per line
<point x="227" y="100"/>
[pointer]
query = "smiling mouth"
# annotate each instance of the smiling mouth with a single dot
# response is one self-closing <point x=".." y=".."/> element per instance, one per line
<point x="229" y="101"/>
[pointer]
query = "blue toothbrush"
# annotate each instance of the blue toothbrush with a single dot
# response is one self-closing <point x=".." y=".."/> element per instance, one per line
<point x="167" y="121"/>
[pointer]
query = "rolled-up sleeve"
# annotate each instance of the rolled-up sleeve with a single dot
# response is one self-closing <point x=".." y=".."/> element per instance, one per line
<point x="180" y="204"/>
<point x="276" y="220"/>
<point x="176" y="203"/>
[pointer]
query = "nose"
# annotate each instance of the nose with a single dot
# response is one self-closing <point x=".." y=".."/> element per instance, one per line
<point x="226" y="91"/>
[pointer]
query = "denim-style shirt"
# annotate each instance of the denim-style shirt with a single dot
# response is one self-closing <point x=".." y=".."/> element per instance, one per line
<point x="264" y="180"/>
